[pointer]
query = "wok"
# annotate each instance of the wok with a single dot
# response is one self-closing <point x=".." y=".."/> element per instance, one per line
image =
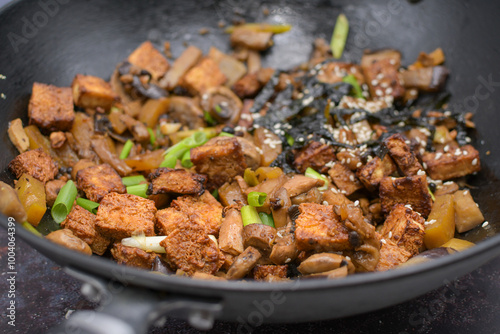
<point x="52" y="40"/>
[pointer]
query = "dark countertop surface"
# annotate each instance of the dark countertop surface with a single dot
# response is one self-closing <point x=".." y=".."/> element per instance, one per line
<point x="471" y="304"/>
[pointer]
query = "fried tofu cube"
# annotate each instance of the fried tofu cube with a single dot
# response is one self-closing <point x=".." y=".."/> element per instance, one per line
<point x="319" y="229"/>
<point x="98" y="181"/>
<point x="177" y="181"/>
<point x="121" y="215"/>
<point x="391" y="256"/>
<point x="190" y="249"/>
<point x="333" y="72"/>
<point x="36" y="163"/>
<point x="132" y="256"/>
<point x="269" y="272"/>
<point x="446" y="166"/>
<point x="51" y="108"/>
<point x="92" y="92"/>
<point x="147" y="57"/>
<point x="204" y="210"/>
<point x="203" y="76"/>
<point x="381" y="73"/>
<point x="221" y="159"/>
<point x="169" y="219"/>
<point x="372" y="173"/>
<point x="82" y="223"/>
<point x="315" y="155"/>
<point x="409" y="190"/>
<point x="406" y="228"/>
<point x="344" y="179"/>
<point x="402" y="155"/>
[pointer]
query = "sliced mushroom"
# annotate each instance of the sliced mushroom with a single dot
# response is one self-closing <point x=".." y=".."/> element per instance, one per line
<point x="222" y="104"/>
<point x="66" y="238"/>
<point x="431" y="254"/>
<point x="10" y="205"/>
<point x="280" y="203"/>
<point x="285" y="250"/>
<point x="186" y="111"/>
<point x="243" y="263"/>
<point x="332" y="274"/>
<point x="230" y="234"/>
<point x="252" y="156"/>
<point x="138" y="129"/>
<point x="300" y="184"/>
<point x="427" y="79"/>
<point x="322" y="262"/>
<point x="312" y="196"/>
<point x="259" y="236"/>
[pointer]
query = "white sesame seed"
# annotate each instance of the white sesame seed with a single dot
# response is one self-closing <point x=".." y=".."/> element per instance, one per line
<point x="485" y="224"/>
<point x="379" y="92"/>
<point x="288" y="260"/>
<point x="389" y="91"/>
<point x="392" y="62"/>
<point x="420" y="172"/>
<point x="374" y="82"/>
<point x="3" y="77"/>
<point x="356" y="203"/>
<point x="464" y="152"/>
<point x="390" y="234"/>
<point x="466" y="192"/>
<point x="432" y="221"/>
<point x="351" y="177"/>
<point x="474" y="162"/>
<point x="380" y="76"/>
<point x="439" y="155"/>
<point x="446" y="148"/>
<point x="325" y="203"/>
<point x="383" y="241"/>
<point x="307" y="101"/>
<point x="424" y="165"/>
<point x="408" y="206"/>
<point x="359" y="164"/>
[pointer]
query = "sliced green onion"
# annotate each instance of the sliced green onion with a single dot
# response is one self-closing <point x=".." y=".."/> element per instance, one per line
<point x="169" y="161"/>
<point x="266" y="219"/>
<point x="126" y="149"/>
<point x="138" y="190"/>
<point x="430" y="192"/>
<point x="178" y="150"/>
<point x="87" y="205"/>
<point x="218" y="109"/>
<point x="315" y="175"/>
<point x="356" y="89"/>
<point x="186" y="160"/>
<point x="148" y="244"/>
<point x="263" y="27"/>
<point x="256" y="198"/>
<point x="249" y="215"/>
<point x="208" y="118"/>
<point x="215" y="194"/>
<point x="64" y="202"/>
<point x="225" y="134"/>
<point x="339" y="36"/>
<point x="31" y="228"/>
<point x="152" y="136"/>
<point x="115" y="109"/>
<point x="289" y="139"/>
<point x="132" y="180"/>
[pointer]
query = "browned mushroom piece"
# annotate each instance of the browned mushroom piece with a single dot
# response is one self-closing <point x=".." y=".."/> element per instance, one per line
<point x="285" y="250"/>
<point x="66" y="238"/>
<point x="243" y="263"/>
<point x="321" y="262"/>
<point x="280" y="203"/>
<point x="300" y="184"/>
<point x="259" y="236"/>
<point x="427" y="79"/>
<point x="138" y="129"/>
<point x="230" y="234"/>
<point x="222" y="104"/>
<point x="186" y="111"/>
<point x="252" y="156"/>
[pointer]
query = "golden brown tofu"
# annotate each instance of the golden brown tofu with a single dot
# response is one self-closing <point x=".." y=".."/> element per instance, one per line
<point x="177" y="181"/>
<point x="333" y="72"/>
<point x="251" y="39"/>
<point x="314" y="155"/>
<point x="169" y="219"/>
<point x="51" y="108"/>
<point x="92" y="92"/>
<point x="149" y="59"/>
<point x="190" y="249"/>
<point x="372" y="173"/>
<point x="402" y="155"/>
<point x="98" y="181"/>
<point x="132" y="256"/>
<point x="457" y="163"/>
<point x="36" y="163"/>
<point x="344" y="179"/>
<point x="410" y="190"/>
<point x="406" y="228"/>
<point x="318" y="228"/>
<point x="82" y="223"/>
<point x="262" y="272"/>
<point x="204" y="210"/>
<point x="381" y="73"/>
<point x="221" y="159"/>
<point x="52" y="189"/>
<point x="203" y="76"/>
<point x="350" y="158"/>
<point x="391" y="256"/>
<point x="121" y="215"/>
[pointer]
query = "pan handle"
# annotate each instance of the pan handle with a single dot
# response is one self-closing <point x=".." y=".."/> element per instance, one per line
<point x="132" y="310"/>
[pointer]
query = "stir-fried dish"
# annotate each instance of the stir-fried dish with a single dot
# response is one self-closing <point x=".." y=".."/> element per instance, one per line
<point x="215" y="167"/>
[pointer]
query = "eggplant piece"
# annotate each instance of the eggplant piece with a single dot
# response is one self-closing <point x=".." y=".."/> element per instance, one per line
<point x="222" y="104"/>
<point x="427" y="79"/>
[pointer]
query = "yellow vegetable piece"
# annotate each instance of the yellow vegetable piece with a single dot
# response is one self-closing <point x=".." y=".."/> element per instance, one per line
<point x="145" y="161"/>
<point x="31" y="193"/>
<point x="250" y="177"/>
<point x="467" y="213"/>
<point x="152" y="110"/>
<point x="262" y="27"/>
<point x="440" y="226"/>
<point x="459" y="244"/>
<point x="266" y="173"/>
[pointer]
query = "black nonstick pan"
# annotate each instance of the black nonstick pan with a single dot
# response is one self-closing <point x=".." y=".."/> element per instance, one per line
<point x="52" y="40"/>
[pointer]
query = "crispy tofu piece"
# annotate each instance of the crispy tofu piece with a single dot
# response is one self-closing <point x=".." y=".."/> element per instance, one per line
<point x="203" y="76"/>
<point x="190" y="249"/>
<point x="344" y="179"/>
<point x="52" y="189"/>
<point x="314" y="155"/>
<point x="98" y="181"/>
<point x="445" y="166"/>
<point x="318" y="228"/>
<point x="36" y="163"/>
<point x="177" y="181"/>
<point x="169" y="219"/>
<point x="381" y="73"/>
<point x="263" y="272"/>
<point x="82" y="223"/>
<point x="121" y="215"/>
<point x="350" y="158"/>
<point x="51" y="108"/>
<point x="391" y="256"/>
<point x="406" y="228"/>
<point x="204" y="210"/>
<point x="410" y="190"/>
<point x="132" y="256"/>
<point x="92" y="92"/>
<point x="335" y="197"/>
<point x="333" y="72"/>
<point x="372" y="173"/>
<point x="149" y="59"/>
<point x="221" y="159"/>
<point x="402" y="155"/>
